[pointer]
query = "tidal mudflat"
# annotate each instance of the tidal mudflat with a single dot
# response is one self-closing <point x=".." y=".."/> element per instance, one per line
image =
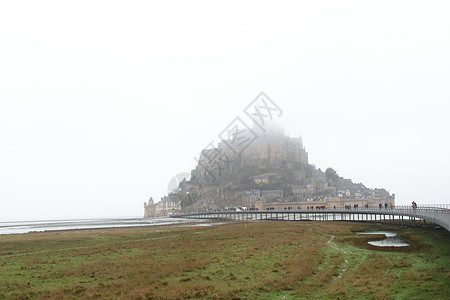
<point x="254" y="260"/>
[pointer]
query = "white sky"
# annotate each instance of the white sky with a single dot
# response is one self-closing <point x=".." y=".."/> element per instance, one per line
<point x="103" y="102"/>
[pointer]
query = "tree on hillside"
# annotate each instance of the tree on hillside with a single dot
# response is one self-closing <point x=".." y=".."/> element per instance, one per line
<point x="331" y="175"/>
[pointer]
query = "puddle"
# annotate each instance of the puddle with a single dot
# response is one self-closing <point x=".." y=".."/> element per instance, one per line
<point x="391" y="240"/>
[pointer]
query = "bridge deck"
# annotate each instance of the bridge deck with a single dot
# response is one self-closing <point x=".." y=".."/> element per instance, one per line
<point x="439" y="215"/>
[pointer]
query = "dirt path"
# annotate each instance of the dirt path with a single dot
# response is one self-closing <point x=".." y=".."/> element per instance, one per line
<point x="334" y="246"/>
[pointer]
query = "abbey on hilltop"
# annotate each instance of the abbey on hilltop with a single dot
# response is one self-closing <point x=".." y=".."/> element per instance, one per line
<point x="268" y="172"/>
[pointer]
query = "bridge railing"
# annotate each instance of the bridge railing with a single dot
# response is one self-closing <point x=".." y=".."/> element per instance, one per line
<point x="423" y="207"/>
<point x="445" y="208"/>
<point x="442" y="208"/>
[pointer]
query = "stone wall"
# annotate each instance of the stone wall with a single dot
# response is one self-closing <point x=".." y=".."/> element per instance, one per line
<point x="329" y="203"/>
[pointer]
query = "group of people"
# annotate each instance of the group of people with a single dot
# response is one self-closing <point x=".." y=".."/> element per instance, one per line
<point x="349" y="207"/>
<point x="414" y="205"/>
<point x="391" y="206"/>
<point x="317" y="207"/>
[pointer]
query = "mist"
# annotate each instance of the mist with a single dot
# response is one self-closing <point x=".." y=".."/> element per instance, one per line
<point x="103" y="103"/>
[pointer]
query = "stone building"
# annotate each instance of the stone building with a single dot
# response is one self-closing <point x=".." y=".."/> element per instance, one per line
<point x="168" y="205"/>
<point x="149" y="209"/>
<point x="272" y="195"/>
<point x="271" y="150"/>
<point x="250" y="198"/>
<point x="261" y="179"/>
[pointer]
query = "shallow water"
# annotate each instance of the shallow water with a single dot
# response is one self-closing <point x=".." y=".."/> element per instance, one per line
<point x="34" y="226"/>
<point x="391" y="240"/>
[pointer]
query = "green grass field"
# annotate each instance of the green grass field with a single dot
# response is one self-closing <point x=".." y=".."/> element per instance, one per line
<point x="259" y="260"/>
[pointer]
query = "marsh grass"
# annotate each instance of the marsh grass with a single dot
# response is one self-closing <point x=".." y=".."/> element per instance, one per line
<point x="265" y="260"/>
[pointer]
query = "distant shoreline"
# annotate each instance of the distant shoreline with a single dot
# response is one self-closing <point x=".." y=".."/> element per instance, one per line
<point x="23" y="227"/>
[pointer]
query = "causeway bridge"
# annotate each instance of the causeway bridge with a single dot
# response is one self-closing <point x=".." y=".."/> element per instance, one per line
<point x="436" y="214"/>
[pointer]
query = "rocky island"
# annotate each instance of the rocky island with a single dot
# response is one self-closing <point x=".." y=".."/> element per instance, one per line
<point x="269" y="172"/>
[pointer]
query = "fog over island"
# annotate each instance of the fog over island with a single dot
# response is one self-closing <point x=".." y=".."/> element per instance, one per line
<point x="103" y="103"/>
